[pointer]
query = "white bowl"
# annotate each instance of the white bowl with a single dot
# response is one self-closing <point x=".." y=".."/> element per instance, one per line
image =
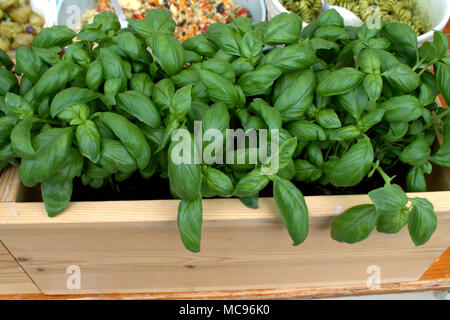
<point x="437" y="11"/>
<point x="67" y="10"/>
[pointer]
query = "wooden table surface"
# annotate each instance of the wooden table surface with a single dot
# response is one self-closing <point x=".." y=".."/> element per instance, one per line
<point x="437" y="277"/>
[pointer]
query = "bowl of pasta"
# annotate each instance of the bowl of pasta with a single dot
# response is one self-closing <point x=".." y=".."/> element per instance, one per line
<point x="423" y="16"/>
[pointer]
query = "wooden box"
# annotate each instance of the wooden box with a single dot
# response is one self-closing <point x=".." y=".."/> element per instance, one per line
<point x="134" y="247"/>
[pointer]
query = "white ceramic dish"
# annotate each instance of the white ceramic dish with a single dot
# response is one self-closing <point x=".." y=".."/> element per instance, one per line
<point x="437" y="11"/>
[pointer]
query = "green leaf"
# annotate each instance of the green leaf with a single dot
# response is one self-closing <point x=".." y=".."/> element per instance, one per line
<point x="306" y="172"/>
<point x="393" y="223"/>
<point x="224" y="37"/>
<point x="402" y="109"/>
<point x="52" y="147"/>
<point x="115" y="157"/>
<point x="416" y="153"/>
<point x="21" y="139"/>
<point x="17" y="106"/>
<point x="426" y="95"/>
<point x="219" y="88"/>
<point x="140" y="106"/>
<point x="440" y="41"/>
<point x="251" y="184"/>
<point x="88" y="140"/>
<point x="251" y="47"/>
<point x="69" y="97"/>
<point x="292" y="208"/>
<point x="94" y="75"/>
<point x="284" y="28"/>
<point x="422" y="221"/>
<point x="163" y="93"/>
<point x="259" y="81"/>
<point x="297" y="96"/>
<point x="402" y="77"/>
<point x="332" y="33"/>
<point x="306" y="130"/>
<point x="190" y="223"/>
<point x="56" y="36"/>
<point x="339" y="82"/>
<point x="354" y="102"/>
<point x="401" y="34"/>
<point x="56" y="196"/>
<point x="443" y="80"/>
<point x="442" y="156"/>
<point x="355" y="224"/>
<point x="328" y="119"/>
<point x="185" y="176"/>
<point x="330" y="18"/>
<point x="415" y="180"/>
<point x="129" y="44"/>
<point x="369" y="62"/>
<point x="388" y="200"/>
<point x="269" y="114"/>
<point x="250" y="202"/>
<point x="71" y="168"/>
<point x="181" y="102"/>
<point x="289" y="58"/>
<point x="7" y="123"/>
<point x="373" y="84"/>
<point x="130" y="135"/>
<point x="141" y="28"/>
<point x="219" y="182"/>
<point x="28" y="63"/>
<point x="5" y="60"/>
<point x="345" y="133"/>
<point x="143" y="83"/>
<point x="107" y="20"/>
<point x="216" y="117"/>
<point x="200" y="45"/>
<point x="354" y="165"/>
<point x="160" y="20"/>
<point x="8" y="81"/>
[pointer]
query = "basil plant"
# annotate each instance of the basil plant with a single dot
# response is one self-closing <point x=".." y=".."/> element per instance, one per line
<point x="341" y="103"/>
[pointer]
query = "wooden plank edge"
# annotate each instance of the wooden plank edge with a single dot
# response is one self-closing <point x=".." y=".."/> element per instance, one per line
<point x="11" y="188"/>
<point x="258" y="294"/>
<point x="166" y="210"/>
<point x="440" y="269"/>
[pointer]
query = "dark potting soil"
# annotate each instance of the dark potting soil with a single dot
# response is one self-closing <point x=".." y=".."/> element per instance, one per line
<point x="157" y="188"/>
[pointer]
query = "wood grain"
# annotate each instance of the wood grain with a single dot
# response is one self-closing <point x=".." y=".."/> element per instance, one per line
<point x="10" y="185"/>
<point x="13" y="280"/>
<point x="121" y="247"/>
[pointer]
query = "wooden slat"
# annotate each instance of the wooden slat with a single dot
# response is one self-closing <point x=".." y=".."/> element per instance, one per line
<point x="440" y="269"/>
<point x="136" y="248"/>
<point x="10" y="185"/>
<point x="13" y="279"/>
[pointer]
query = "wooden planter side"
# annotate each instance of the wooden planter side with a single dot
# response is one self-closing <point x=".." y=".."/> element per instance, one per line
<point x="123" y="247"/>
<point x="13" y="280"/>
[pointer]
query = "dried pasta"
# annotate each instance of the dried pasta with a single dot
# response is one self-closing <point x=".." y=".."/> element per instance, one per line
<point x="404" y="11"/>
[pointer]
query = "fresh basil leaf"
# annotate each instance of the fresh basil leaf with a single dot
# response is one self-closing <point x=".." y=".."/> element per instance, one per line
<point x="402" y="77"/>
<point x="355" y="224"/>
<point x="388" y="200"/>
<point x="219" y="88"/>
<point x="289" y="58"/>
<point x="69" y="97"/>
<point x="373" y="85"/>
<point x="339" y="82"/>
<point x="306" y="130"/>
<point x="416" y="153"/>
<point x="354" y="102"/>
<point x="251" y="184"/>
<point x="422" y="221"/>
<point x="163" y="92"/>
<point x="200" y="45"/>
<point x="224" y="37"/>
<point x="328" y="119"/>
<point x="17" y="106"/>
<point x="52" y="147"/>
<point x="393" y="223"/>
<point x="56" y="36"/>
<point x="443" y="80"/>
<point x="8" y="82"/>
<point x="415" y="180"/>
<point x="402" y="109"/>
<point x="259" y="81"/>
<point x="190" y="223"/>
<point x="115" y="157"/>
<point x="284" y="28"/>
<point x="401" y="33"/>
<point x="88" y="140"/>
<point x="130" y="135"/>
<point x="370" y="119"/>
<point x="56" y="196"/>
<point x="21" y="139"/>
<point x="107" y="21"/>
<point x="219" y="182"/>
<point x="345" y="133"/>
<point x="140" y="106"/>
<point x="442" y="156"/>
<point x="296" y="95"/>
<point x="160" y="20"/>
<point x="94" y="75"/>
<point x="292" y="208"/>
<point x="354" y="165"/>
